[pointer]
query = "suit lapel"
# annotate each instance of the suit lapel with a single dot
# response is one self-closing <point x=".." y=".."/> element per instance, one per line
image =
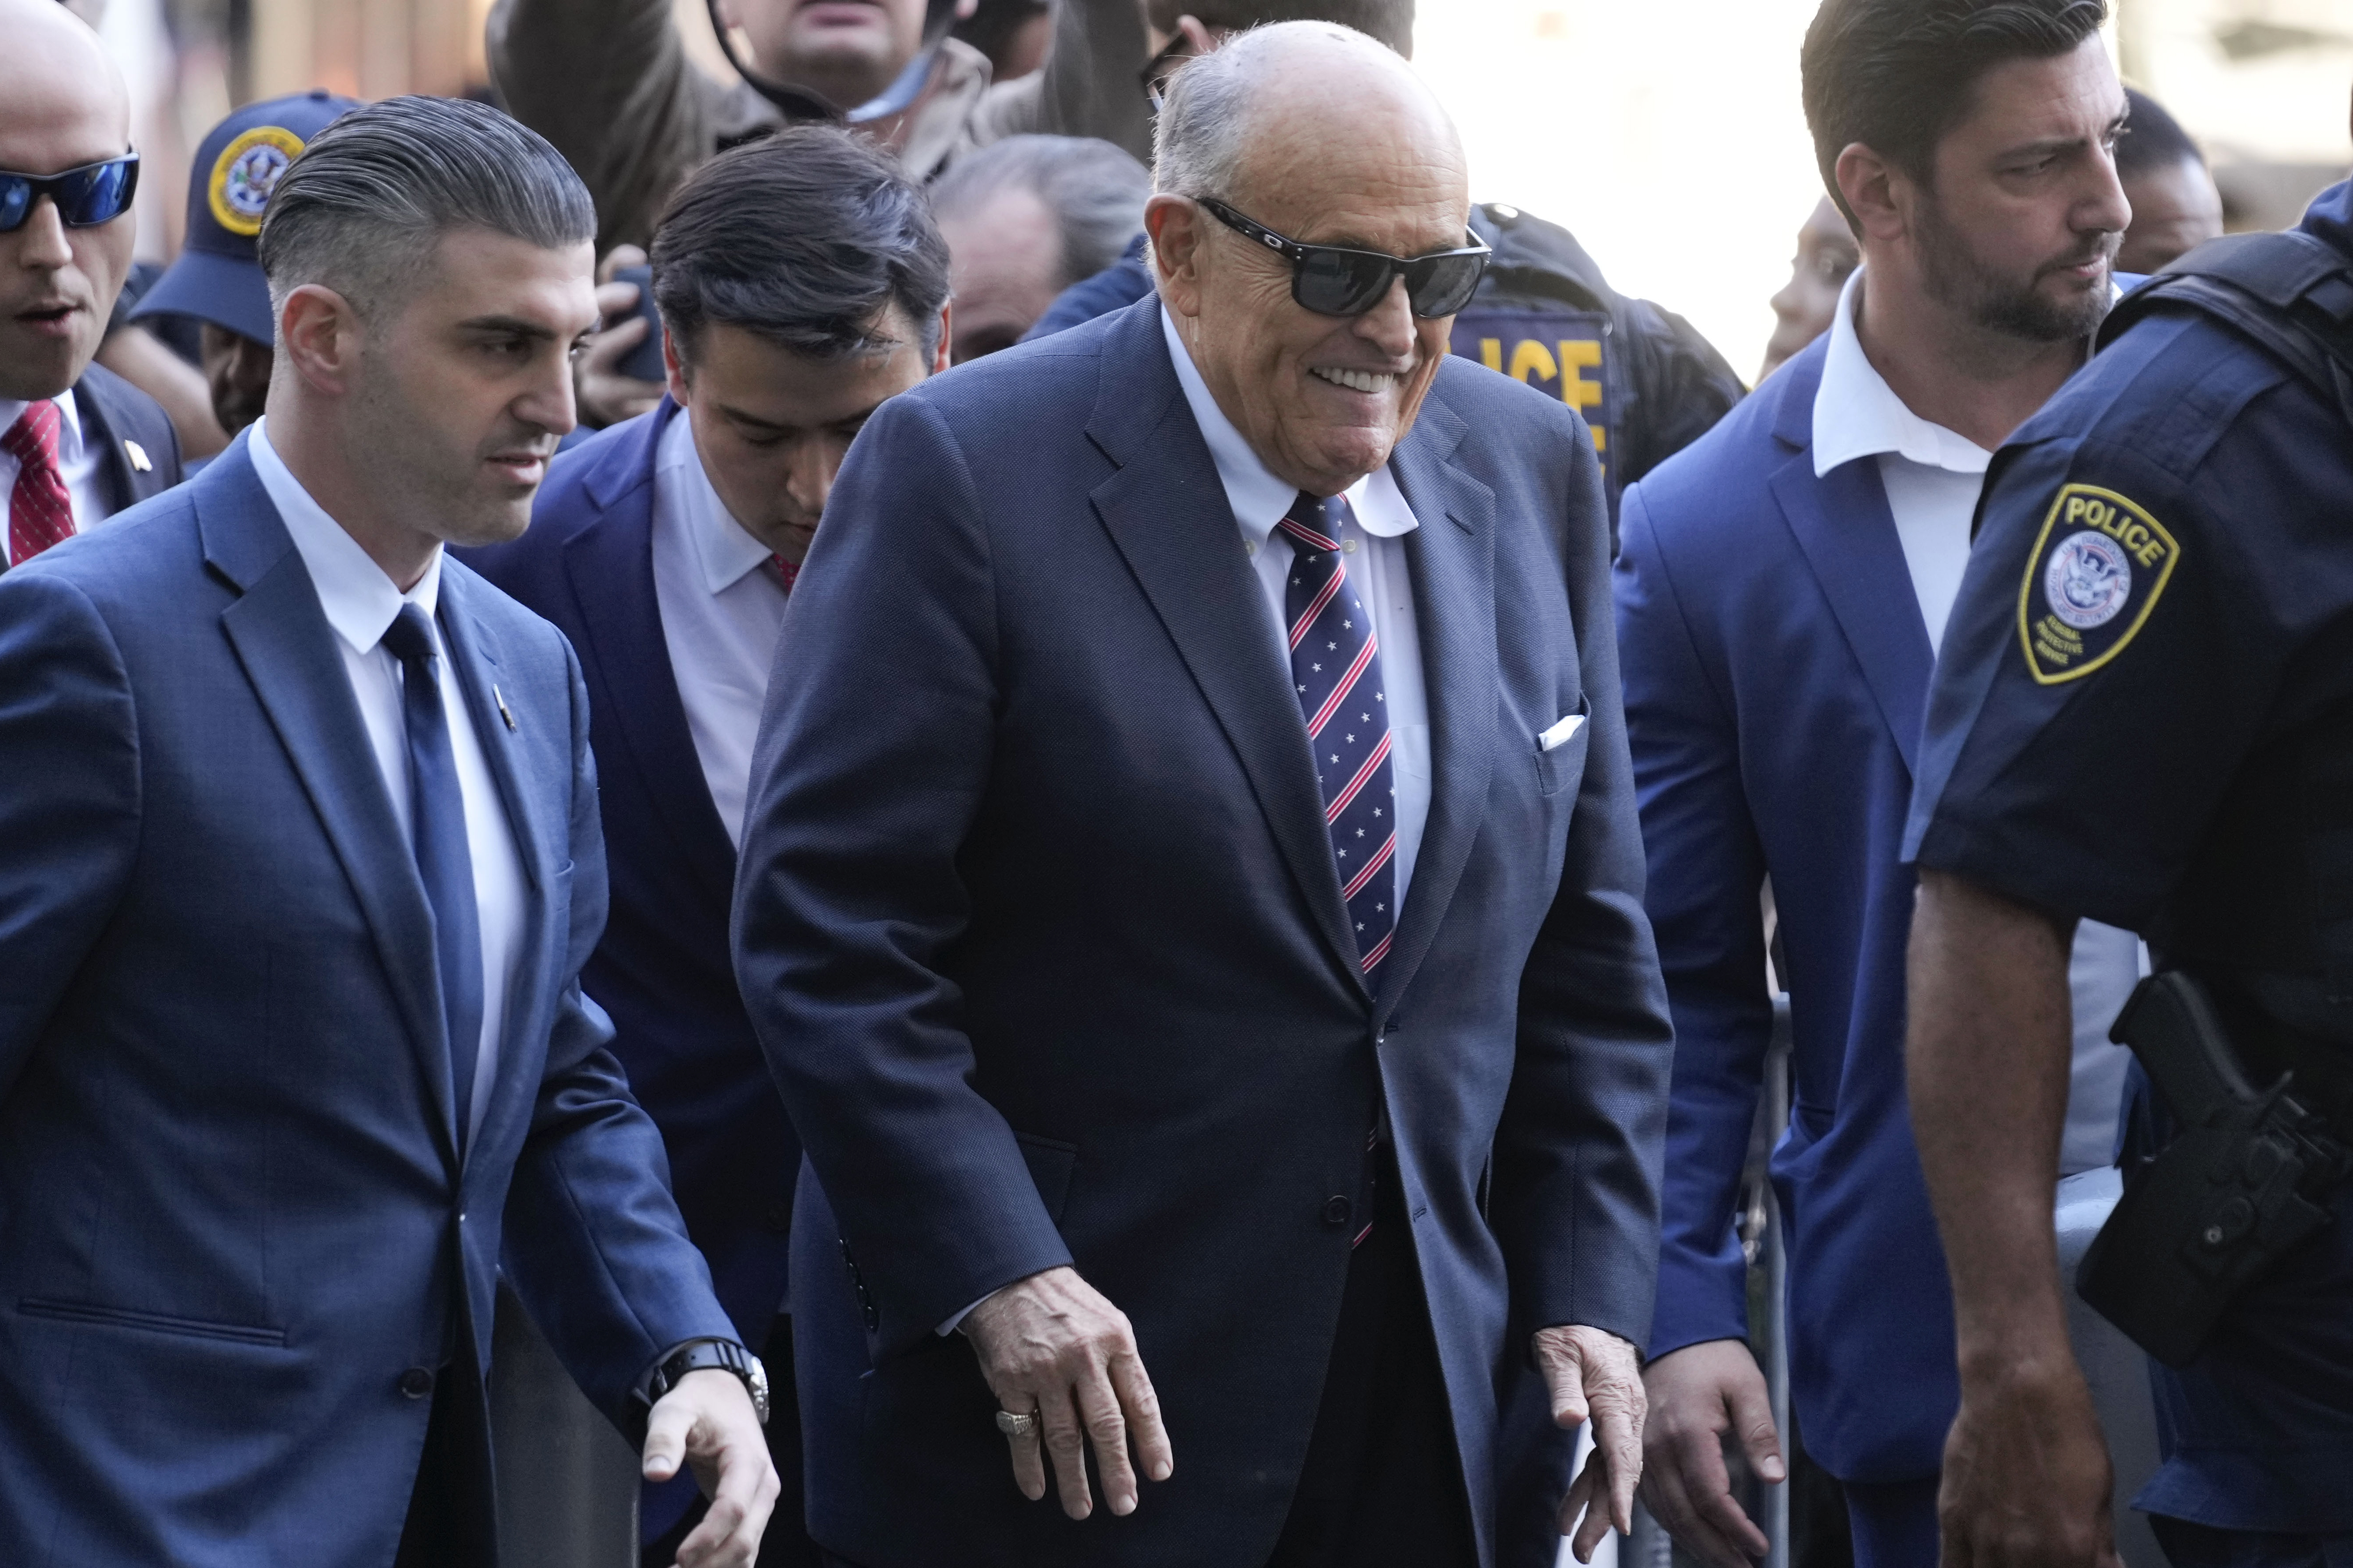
<point x="1451" y="555"/>
<point x="1166" y="511"/>
<point x="611" y="565"/>
<point x="289" y="656"/>
<point x="1847" y="535"/>
<point x="538" y="843"/>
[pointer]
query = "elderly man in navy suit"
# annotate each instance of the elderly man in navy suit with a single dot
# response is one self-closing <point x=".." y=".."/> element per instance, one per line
<point x="298" y="864"/>
<point x="802" y="281"/>
<point x="1191" y="898"/>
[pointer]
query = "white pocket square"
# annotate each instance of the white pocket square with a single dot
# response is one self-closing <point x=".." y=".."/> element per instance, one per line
<point x="1559" y="733"/>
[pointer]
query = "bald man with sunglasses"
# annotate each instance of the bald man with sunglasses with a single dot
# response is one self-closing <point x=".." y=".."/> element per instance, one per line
<point x="78" y="443"/>
<point x="1191" y="900"/>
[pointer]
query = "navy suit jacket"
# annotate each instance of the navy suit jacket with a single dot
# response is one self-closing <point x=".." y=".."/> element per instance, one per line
<point x="663" y="969"/>
<point x="1039" y="921"/>
<point x="234" y="1215"/>
<point x="114" y="415"/>
<point x="1776" y="674"/>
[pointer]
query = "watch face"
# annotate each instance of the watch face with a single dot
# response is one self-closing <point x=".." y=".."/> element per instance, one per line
<point x="757" y="1378"/>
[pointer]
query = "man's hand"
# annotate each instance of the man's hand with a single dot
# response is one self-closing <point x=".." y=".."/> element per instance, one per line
<point x="709" y="1421"/>
<point x="1051" y="1345"/>
<point x="1698" y="1393"/>
<point x="1595" y="1374"/>
<point x="2027" y="1476"/>
<point x="605" y="396"/>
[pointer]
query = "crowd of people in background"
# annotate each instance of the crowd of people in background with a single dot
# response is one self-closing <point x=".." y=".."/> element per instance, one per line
<point x="836" y="921"/>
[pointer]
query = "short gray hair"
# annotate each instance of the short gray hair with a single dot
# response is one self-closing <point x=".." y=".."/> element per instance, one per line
<point x="1198" y="141"/>
<point x="362" y="208"/>
<point x="1096" y="191"/>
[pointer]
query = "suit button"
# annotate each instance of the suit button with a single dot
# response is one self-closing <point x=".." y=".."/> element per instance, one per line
<point x="780" y="1218"/>
<point x="415" y="1383"/>
<point x="1335" y="1212"/>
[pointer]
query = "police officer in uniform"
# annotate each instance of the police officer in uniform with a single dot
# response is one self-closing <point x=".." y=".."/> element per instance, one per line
<point x="2145" y="716"/>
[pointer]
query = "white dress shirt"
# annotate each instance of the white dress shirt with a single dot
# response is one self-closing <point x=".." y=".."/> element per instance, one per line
<point x="1375" y="547"/>
<point x="720" y="610"/>
<point x="1932" y="477"/>
<point x="78" y="460"/>
<point x="361" y="604"/>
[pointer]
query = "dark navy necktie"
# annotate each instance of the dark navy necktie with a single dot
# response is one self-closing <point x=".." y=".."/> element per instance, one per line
<point x="445" y="862"/>
<point x="1335" y="667"/>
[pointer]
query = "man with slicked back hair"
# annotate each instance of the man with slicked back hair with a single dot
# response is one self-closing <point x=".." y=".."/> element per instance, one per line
<point x="302" y="865"/>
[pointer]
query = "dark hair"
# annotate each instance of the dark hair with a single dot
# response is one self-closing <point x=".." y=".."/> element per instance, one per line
<point x="1896" y="75"/>
<point x="2152" y="139"/>
<point x="361" y="209"/>
<point x="1096" y="191"/>
<point x="1390" y="21"/>
<point x="803" y="237"/>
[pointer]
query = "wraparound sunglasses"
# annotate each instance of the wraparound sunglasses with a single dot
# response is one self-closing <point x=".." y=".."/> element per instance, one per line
<point x="1333" y="281"/>
<point x="91" y="195"/>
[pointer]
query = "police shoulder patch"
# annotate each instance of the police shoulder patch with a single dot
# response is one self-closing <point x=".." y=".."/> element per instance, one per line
<point x="2098" y="567"/>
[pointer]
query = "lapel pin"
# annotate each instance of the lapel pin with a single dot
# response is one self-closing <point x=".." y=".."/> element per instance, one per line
<point x="499" y="698"/>
<point x="138" y="455"/>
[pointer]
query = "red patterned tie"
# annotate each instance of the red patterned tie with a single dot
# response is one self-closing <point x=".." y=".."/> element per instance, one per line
<point x="787" y="572"/>
<point x="40" y="512"/>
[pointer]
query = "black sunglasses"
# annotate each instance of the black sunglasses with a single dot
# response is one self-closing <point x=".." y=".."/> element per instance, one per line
<point x="91" y="195"/>
<point x="1333" y="281"/>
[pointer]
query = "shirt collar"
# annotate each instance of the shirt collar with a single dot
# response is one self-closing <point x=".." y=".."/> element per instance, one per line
<point x="1858" y="415"/>
<point x="68" y="424"/>
<point x="361" y="603"/>
<point x="725" y="551"/>
<point x="1259" y="499"/>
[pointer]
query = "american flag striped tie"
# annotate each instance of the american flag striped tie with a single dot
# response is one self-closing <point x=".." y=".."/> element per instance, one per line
<point x="1335" y="667"/>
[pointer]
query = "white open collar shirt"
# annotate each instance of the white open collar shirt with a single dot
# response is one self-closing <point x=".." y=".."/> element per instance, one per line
<point x="1932" y="477"/>
<point x="78" y="461"/>
<point x="1373" y="544"/>
<point x="361" y="604"/>
<point x="721" y="611"/>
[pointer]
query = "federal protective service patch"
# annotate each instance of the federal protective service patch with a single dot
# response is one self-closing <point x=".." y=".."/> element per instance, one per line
<point x="2098" y="568"/>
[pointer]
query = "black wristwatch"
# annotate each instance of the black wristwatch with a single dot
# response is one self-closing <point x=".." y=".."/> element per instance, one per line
<point x="710" y="1355"/>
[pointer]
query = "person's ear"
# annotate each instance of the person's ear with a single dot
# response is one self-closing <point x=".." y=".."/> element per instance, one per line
<point x="1200" y="36"/>
<point x="321" y="337"/>
<point x="1877" y="193"/>
<point x="940" y="360"/>
<point x="1175" y="225"/>
<point x="674" y="371"/>
<point x="964" y="8"/>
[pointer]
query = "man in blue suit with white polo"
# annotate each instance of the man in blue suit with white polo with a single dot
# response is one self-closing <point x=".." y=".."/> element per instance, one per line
<point x="1191" y="899"/>
<point x="301" y="865"/>
<point x="1781" y="590"/>
<point x="803" y="282"/>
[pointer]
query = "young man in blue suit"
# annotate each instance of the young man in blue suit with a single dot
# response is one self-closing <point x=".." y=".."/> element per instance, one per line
<point x="1781" y="591"/>
<point x="802" y="283"/>
<point x="1190" y="900"/>
<point x="302" y="866"/>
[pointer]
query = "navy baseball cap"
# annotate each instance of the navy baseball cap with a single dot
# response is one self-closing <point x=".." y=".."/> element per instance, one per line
<point x="217" y="278"/>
